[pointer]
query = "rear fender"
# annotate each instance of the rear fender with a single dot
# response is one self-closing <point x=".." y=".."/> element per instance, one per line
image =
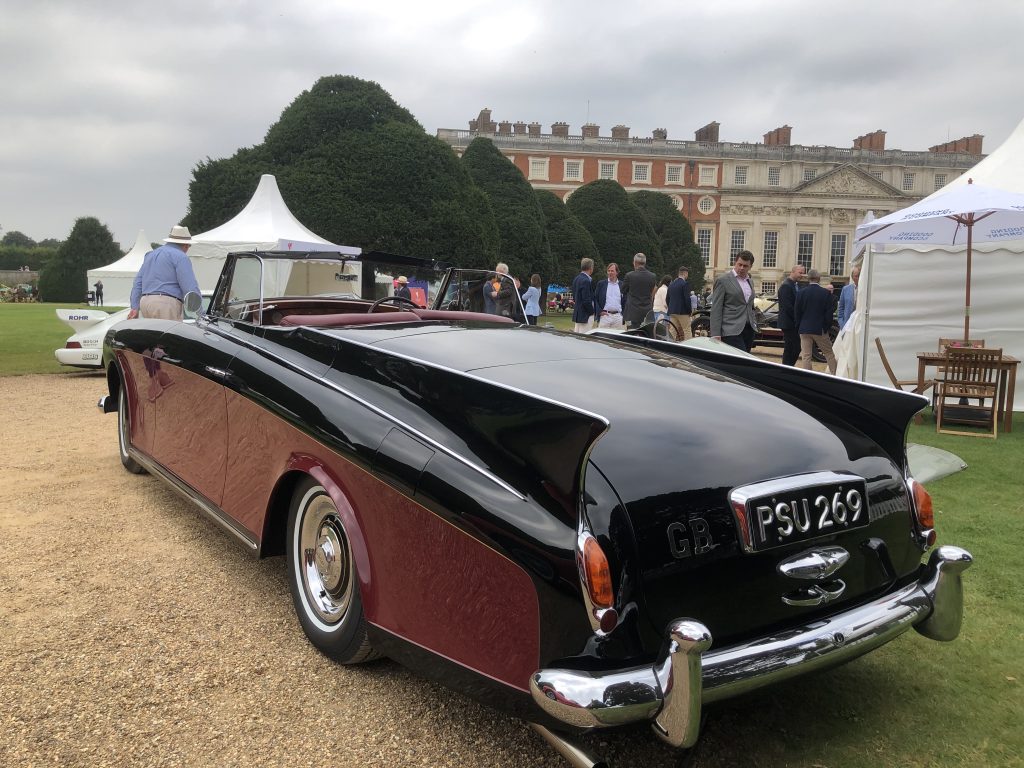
<point x="881" y="412"/>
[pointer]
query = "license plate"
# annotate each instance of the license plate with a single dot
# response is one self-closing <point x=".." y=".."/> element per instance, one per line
<point x="790" y="510"/>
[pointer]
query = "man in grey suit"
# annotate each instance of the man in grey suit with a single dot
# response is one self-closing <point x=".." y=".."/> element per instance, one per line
<point x="638" y="292"/>
<point x="732" y="304"/>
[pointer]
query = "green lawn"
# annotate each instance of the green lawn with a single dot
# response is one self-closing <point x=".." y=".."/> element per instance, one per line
<point x="914" y="702"/>
<point x="29" y="333"/>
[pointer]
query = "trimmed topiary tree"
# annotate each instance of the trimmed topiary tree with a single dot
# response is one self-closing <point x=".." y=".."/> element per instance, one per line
<point x="675" y="235"/>
<point x="357" y="169"/>
<point x="523" y="243"/>
<point x="618" y="227"/>
<point x="569" y="239"/>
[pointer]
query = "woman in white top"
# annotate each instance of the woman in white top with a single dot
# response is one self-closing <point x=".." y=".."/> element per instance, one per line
<point x="661" y="299"/>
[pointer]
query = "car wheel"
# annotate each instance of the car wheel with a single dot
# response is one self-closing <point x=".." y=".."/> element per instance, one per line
<point x="124" y="433"/>
<point x="701" y="326"/>
<point x="323" y="579"/>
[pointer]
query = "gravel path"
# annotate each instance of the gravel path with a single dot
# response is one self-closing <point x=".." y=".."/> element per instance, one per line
<point x="133" y="632"/>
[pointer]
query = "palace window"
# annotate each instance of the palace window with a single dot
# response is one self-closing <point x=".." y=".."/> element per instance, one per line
<point x="607" y="169"/>
<point x="737" y="242"/>
<point x="908" y="182"/>
<point x="810" y="173"/>
<point x="673" y="174"/>
<point x="774" y="177"/>
<point x="539" y="168"/>
<point x="769" y="287"/>
<point x="940" y="180"/>
<point x="837" y="255"/>
<point x="740" y="176"/>
<point x="770" y="254"/>
<point x="805" y="249"/>
<point x="641" y="173"/>
<point x="704" y="243"/>
<point x="708" y="176"/>
<point x="573" y="170"/>
<point x="706" y="205"/>
<point x="877" y="174"/>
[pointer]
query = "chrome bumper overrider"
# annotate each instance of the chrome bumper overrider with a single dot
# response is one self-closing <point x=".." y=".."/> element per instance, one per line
<point x="671" y="691"/>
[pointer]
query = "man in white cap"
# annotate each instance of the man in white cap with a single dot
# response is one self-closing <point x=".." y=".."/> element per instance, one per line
<point x="164" y="279"/>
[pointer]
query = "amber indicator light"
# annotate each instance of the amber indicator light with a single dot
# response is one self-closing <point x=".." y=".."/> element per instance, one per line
<point x="599" y="577"/>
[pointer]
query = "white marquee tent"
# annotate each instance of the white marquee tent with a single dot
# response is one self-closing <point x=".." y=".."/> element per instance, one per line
<point x="118" y="277"/>
<point x="917" y="294"/>
<point x="266" y="224"/>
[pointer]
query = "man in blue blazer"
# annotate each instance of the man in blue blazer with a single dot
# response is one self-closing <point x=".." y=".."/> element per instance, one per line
<point x="813" y="319"/>
<point x="583" y="296"/>
<point x="679" y="306"/>
<point x="608" y="300"/>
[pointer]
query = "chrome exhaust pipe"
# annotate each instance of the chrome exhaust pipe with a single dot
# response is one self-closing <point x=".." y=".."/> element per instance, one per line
<point x="576" y="756"/>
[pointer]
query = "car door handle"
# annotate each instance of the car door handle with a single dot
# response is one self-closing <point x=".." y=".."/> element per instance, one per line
<point x="219" y="373"/>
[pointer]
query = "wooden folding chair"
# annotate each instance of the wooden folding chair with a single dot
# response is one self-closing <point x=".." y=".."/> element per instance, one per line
<point x="910" y="385"/>
<point x="969" y="375"/>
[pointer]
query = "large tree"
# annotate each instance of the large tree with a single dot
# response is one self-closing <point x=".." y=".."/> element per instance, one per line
<point x="569" y="239"/>
<point x="89" y="245"/>
<point x="675" y="235"/>
<point x="524" y="242"/>
<point x="618" y="227"/>
<point x="16" y="238"/>
<point x="356" y="168"/>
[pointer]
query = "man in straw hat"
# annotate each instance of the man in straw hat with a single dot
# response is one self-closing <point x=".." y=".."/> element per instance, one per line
<point x="403" y="288"/>
<point x="164" y="279"/>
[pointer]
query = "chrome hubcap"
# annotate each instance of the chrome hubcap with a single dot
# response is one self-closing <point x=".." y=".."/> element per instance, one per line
<point x="326" y="562"/>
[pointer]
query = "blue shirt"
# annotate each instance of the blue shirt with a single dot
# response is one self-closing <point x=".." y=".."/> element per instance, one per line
<point x="164" y="270"/>
<point x="532" y="297"/>
<point x="847" y="302"/>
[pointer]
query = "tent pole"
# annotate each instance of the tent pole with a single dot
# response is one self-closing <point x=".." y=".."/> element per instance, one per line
<point x="869" y="263"/>
<point x="967" y="308"/>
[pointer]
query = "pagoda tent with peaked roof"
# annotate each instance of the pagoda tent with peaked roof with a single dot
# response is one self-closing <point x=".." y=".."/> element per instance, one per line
<point x="915" y="295"/>
<point x="265" y="223"/>
<point x="119" y="276"/>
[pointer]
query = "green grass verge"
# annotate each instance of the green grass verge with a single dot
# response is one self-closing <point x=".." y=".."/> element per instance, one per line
<point x="29" y="333"/>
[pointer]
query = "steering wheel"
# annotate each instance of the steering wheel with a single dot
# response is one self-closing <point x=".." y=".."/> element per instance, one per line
<point x="397" y="300"/>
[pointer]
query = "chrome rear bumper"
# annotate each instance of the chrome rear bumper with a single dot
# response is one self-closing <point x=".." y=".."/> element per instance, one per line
<point x="670" y="692"/>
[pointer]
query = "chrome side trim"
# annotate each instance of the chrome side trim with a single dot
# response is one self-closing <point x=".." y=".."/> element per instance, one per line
<point x="670" y="692"/>
<point x="207" y="507"/>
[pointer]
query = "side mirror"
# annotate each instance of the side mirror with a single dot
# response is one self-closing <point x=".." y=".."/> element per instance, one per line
<point x="192" y="303"/>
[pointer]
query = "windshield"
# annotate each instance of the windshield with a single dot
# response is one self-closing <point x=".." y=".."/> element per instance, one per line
<point x="259" y="278"/>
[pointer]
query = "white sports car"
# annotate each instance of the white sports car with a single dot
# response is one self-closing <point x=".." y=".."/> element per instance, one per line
<point x="84" y="348"/>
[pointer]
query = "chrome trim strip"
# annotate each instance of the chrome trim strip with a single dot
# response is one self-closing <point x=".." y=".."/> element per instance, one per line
<point x="397" y="422"/>
<point x="208" y="508"/>
<point x="669" y="696"/>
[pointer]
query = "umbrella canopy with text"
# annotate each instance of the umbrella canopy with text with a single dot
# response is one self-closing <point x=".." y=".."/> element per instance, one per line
<point x="962" y="215"/>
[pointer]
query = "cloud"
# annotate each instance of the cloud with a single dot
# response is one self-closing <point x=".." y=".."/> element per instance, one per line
<point x="111" y="105"/>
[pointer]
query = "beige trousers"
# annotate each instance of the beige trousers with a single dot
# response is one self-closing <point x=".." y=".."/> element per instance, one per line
<point x="156" y="307"/>
<point x="807" y="342"/>
<point x="683" y="329"/>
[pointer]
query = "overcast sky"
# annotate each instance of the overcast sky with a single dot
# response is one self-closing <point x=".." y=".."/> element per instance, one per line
<point x="106" y="106"/>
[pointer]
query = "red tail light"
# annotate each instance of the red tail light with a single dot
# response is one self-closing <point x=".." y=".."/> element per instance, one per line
<point x="72" y="345"/>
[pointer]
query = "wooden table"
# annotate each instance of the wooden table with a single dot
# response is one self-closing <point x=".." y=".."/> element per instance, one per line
<point x="1007" y="381"/>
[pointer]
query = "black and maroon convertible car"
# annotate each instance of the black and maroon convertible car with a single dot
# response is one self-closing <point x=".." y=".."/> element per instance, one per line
<point x="570" y="527"/>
